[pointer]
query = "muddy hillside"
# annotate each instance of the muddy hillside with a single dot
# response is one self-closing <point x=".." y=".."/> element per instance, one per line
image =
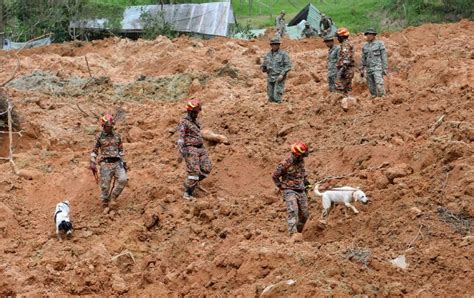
<point x="232" y="241"/>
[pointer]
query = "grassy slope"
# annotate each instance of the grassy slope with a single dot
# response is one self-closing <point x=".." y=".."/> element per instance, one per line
<point x="357" y="15"/>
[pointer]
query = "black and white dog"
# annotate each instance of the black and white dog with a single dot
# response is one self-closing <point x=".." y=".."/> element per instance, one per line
<point x="61" y="219"/>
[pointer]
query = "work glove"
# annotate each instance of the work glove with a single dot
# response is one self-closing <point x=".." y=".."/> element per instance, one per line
<point x="93" y="166"/>
<point x="280" y="78"/>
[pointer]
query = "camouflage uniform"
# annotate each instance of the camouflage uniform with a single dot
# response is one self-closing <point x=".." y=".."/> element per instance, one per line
<point x="280" y="25"/>
<point x="191" y="147"/>
<point x="325" y="26"/>
<point x="374" y="60"/>
<point x="110" y="147"/>
<point x="345" y="67"/>
<point x="308" y="32"/>
<point x="290" y="176"/>
<point x="276" y="64"/>
<point x="333" y="55"/>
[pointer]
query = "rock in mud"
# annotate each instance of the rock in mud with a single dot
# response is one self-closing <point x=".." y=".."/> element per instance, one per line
<point x="398" y="171"/>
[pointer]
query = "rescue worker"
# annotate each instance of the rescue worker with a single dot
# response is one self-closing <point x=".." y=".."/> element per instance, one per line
<point x="325" y="25"/>
<point x="108" y="153"/>
<point x="280" y="24"/>
<point x="191" y="148"/>
<point x="333" y="54"/>
<point x="276" y="64"/>
<point x="290" y="178"/>
<point x="374" y="63"/>
<point x="345" y="62"/>
<point x="308" y="31"/>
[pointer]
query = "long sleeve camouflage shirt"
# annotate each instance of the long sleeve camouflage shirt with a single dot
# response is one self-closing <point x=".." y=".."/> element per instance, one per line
<point x="346" y="55"/>
<point x="276" y="63"/>
<point x="189" y="132"/>
<point x="107" y="145"/>
<point x="374" y="56"/>
<point x="291" y="174"/>
<point x="333" y="55"/>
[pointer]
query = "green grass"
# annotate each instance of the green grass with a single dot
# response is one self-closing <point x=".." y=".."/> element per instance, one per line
<point x="357" y="15"/>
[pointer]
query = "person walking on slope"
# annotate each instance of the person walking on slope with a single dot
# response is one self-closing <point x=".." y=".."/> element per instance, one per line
<point x="280" y="24"/>
<point x="191" y="148"/>
<point x="108" y="153"/>
<point x="333" y="55"/>
<point x="325" y="26"/>
<point x="374" y="63"/>
<point x="290" y="178"/>
<point x="345" y="62"/>
<point x="276" y="64"/>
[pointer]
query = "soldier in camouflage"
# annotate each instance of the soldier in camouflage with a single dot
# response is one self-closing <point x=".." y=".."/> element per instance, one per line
<point x="333" y="55"/>
<point x="108" y="152"/>
<point x="374" y="63"/>
<point x="345" y="62"/>
<point x="325" y="26"/>
<point x="276" y="64"/>
<point x="308" y="31"/>
<point x="191" y="148"/>
<point x="290" y="177"/>
<point x="280" y="24"/>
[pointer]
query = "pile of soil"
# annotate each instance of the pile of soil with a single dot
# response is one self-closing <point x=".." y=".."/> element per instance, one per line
<point x="233" y="240"/>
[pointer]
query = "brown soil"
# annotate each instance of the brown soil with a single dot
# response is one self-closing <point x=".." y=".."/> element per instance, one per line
<point x="233" y="240"/>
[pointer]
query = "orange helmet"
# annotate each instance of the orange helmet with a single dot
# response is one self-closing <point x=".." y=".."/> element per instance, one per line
<point x="299" y="148"/>
<point x="107" y="119"/>
<point x="193" y="105"/>
<point x="342" y="32"/>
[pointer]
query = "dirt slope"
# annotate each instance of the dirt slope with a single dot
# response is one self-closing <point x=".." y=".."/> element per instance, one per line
<point x="233" y="241"/>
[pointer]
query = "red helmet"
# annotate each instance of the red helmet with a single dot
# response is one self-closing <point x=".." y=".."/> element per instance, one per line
<point x="107" y="119"/>
<point x="299" y="148"/>
<point x="342" y="32"/>
<point x="193" y="105"/>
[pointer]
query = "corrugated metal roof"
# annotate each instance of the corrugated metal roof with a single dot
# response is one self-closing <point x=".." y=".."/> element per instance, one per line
<point x="311" y="14"/>
<point x="207" y="18"/>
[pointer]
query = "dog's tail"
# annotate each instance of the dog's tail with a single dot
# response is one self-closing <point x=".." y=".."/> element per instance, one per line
<point x="316" y="190"/>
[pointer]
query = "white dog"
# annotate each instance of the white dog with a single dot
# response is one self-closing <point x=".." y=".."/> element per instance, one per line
<point x="61" y="219"/>
<point x="342" y="195"/>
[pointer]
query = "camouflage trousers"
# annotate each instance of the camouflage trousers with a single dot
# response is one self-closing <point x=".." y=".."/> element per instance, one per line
<point x="297" y="207"/>
<point x="344" y="79"/>
<point x="109" y="170"/>
<point x="332" y="82"/>
<point x="376" y="83"/>
<point x="198" y="166"/>
<point x="275" y="91"/>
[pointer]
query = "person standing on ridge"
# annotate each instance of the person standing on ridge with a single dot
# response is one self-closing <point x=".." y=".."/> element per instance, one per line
<point x="333" y="55"/>
<point x="345" y="62"/>
<point x="276" y="64"/>
<point x="280" y="24"/>
<point x="374" y="63"/>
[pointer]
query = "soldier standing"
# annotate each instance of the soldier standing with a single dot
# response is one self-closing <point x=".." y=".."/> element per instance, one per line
<point x="109" y="148"/>
<point x="374" y="63"/>
<point x="308" y="31"/>
<point x="345" y="62"/>
<point x="290" y="177"/>
<point x="325" y="25"/>
<point x="280" y="24"/>
<point x="276" y="64"/>
<point x="191" y="147"/>
<point x="333" y="54"/>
